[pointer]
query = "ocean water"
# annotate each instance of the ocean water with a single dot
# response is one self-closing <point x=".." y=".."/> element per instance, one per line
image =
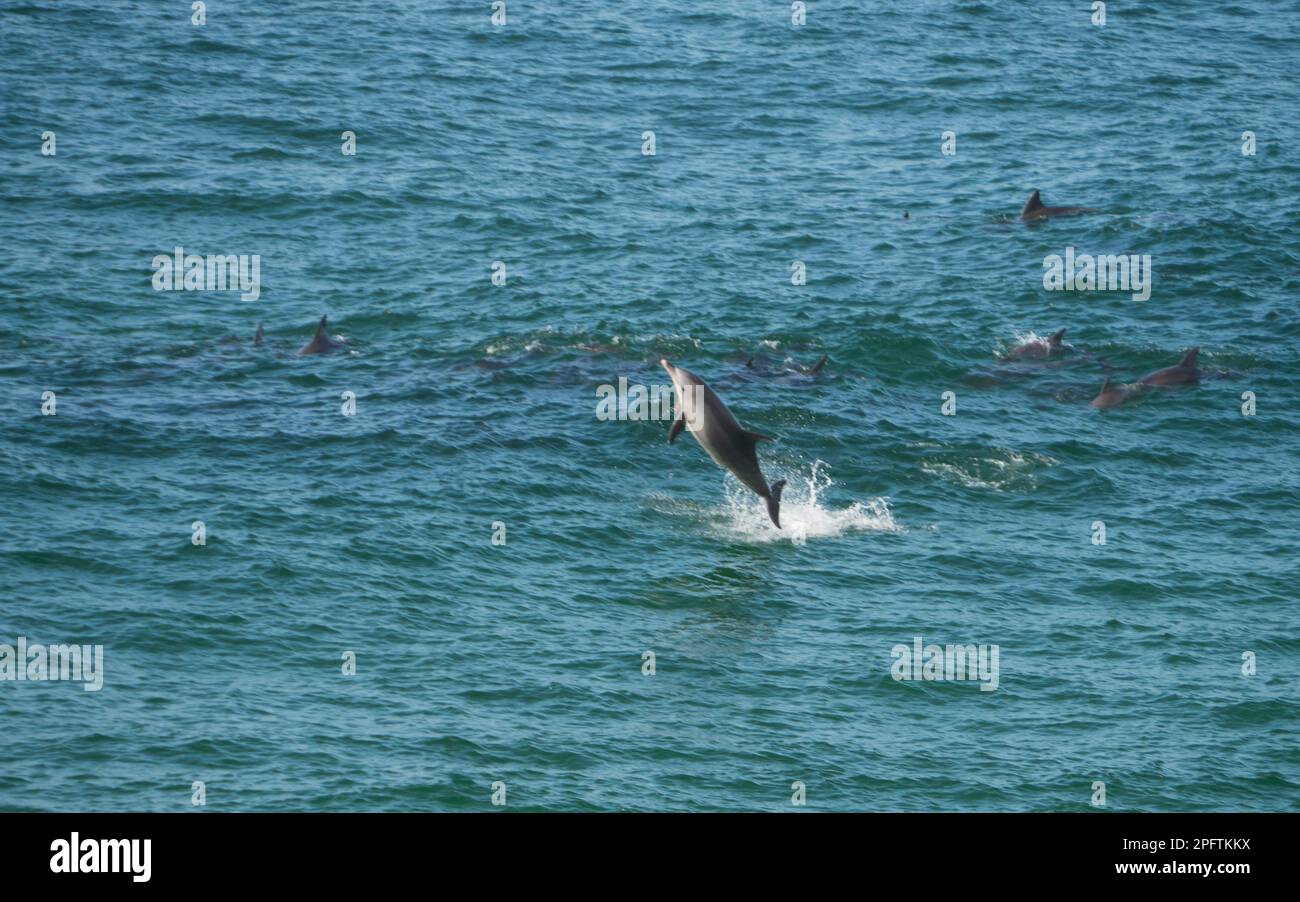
<point x="522" y="663"/>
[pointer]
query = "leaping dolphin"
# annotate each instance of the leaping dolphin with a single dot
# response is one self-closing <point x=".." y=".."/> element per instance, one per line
<point x="321" y="342"/>
<point x="721" y="435"/>
<point x="1034" y="209"/>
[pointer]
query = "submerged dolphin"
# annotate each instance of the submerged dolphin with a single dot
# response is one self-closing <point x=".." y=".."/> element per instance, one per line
<point x="1184" y="372"/>
<point x="799" y="369"/>
<point x="1113" y="395"/>
<point x="1051" y="346"/>
<point x="721" y="435"/>
<point x="816" y="367"/>
<point x="321" y="342"/>
<point x="1034" y="209"/>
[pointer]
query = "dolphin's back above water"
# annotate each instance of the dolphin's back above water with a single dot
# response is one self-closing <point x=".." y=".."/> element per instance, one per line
<point x="1185" y="372"/>
<point x="1112" y="395"/>
<point x="1052" y="346"/>
<point x="720" y="434"/>
<point x="321" y="343"/>
<point x="1035" y="209"/>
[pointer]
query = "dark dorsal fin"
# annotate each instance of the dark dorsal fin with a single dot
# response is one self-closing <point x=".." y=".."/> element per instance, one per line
<point x="817" y="367"/>
<point x="320" y="329"/>
<point x="1034" y="203"/>
<point x="257" y="338"/>
<point x="1189" y="359"/>
<point x="1105" y="385"/>
<point x="1057" y="336"/>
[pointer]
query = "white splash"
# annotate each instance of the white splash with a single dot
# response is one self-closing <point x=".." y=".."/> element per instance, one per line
<point x="802" y="511"/>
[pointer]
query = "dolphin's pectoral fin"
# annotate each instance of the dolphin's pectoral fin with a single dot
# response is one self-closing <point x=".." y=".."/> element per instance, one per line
<point x="676" y="429"/>
<point x="774" y="502"/>
<point x="756" y="436"/>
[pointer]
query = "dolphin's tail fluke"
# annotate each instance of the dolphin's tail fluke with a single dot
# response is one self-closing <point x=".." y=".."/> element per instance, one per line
<point x="774" y="502"/>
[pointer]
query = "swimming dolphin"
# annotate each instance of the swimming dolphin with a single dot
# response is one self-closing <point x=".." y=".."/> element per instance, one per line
<point x="321" y="342"/>
<point x="1040" y="347"/>
<point x="257" y="338"/>
<point x="721" y="435"/>
<point x="1113" y="395"/>
<point x="1184" y="372"/>
<point x="1034" y="209"/>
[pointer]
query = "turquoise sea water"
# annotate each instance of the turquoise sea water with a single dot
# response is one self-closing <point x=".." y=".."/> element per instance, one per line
<point x="475" y="404"/>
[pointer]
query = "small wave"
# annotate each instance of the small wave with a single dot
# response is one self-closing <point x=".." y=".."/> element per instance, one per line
<point x="1008" y="471"/>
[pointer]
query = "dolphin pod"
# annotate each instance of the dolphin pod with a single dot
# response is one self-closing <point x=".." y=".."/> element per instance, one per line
<point x="719" y="433"/>
<point x="1184" y="372"/>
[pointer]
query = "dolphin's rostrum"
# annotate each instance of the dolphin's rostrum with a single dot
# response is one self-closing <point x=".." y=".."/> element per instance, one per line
<point x="732" y="447"/>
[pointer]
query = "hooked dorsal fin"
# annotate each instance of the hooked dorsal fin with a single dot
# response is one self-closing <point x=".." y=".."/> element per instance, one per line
<point x="1034" y="203"/>
<point x="1057" y="336"/>
<point x="1189" y="359"/>
<point x="817" y="367"/>
<point x="320" y="329"/>
<point x="257" y="338"/>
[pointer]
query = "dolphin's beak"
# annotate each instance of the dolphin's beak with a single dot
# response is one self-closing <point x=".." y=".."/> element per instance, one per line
<point x="663" y="362"/>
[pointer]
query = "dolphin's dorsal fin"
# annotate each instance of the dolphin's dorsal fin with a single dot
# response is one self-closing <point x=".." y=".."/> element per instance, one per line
<point x="1057" y="336"/>
<point x="756" y="436"/>
<point x="1105" y="385"/>
<point x="320" y="328"/>
<point x="257" y="338"/>
<point x="817" y="367"/>
<point x="1189" y="359"/>
<point x="1034" y="203"/>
